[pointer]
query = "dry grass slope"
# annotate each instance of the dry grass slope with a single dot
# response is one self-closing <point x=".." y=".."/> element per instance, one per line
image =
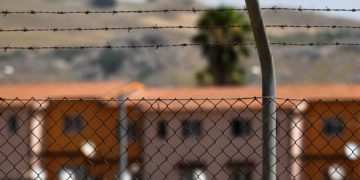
<point x="164" y="67"/>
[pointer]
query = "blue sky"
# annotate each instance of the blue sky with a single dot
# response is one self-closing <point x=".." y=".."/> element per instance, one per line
<point x="303" y="3"/>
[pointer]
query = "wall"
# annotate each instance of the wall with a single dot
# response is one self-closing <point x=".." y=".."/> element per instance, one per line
<point x="217" y="150"/>
<point x="321" y="151"/>
<point x="14" y="147"/>
<point x="100" y="126"/>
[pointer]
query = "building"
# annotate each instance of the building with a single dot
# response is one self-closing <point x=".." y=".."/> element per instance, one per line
<point x="189" y="133"/>
<point x="202" y="138"/>
<point x="328" y="131"/>
<point x="71" y="136"/>
<point x="214" y="138"/>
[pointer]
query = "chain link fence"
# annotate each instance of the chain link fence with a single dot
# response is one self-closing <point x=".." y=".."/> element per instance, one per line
<point x="196" y="139"/>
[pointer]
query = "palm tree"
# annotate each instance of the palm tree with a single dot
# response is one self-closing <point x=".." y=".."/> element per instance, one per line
<point x="223" y="61"/>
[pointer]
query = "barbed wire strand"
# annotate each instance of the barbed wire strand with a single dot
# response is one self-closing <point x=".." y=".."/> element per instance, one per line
<point x="130" y="28"/>
<point x="156" y="27"/>
<point x="108" y="46"/>
<point x="166" y="11"/>
<point x="157" y="46"/>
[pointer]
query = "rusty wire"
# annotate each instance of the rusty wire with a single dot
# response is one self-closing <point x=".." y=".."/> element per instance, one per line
<point x="156" y="27"/>
<point x="166" y="11"/>
<point x="158" y="46"/>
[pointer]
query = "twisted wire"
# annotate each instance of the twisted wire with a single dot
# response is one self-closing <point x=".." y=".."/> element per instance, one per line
<point x="156" y="27"/>
<point x="165" y="11"/>
<point x="157" y="46"/>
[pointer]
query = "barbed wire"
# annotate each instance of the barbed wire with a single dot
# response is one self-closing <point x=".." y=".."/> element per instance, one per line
<point x="156" y="27"/>
<point x="301" y="9"/>
<point x="309" y="26"/>
<point x="130" y="28"/>
<point x="315" y="44"/>
<point x="113" y="12"/>
<point x="166" y="11"/>
<point x="108" y="46"/>
<point x="157" y="46"/>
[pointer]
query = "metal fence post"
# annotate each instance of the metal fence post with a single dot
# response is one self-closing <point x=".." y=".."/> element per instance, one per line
<point x="268" y="90"/>
<point x="123" y="128"/>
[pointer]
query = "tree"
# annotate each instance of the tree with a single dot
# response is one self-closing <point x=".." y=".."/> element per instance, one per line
<point x="104" y="3"/>
<point x="223" y="61"/>
<point x="110" y="61"/>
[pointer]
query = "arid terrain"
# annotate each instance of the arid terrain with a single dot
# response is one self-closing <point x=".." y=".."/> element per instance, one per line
<point x="164" y="66"/>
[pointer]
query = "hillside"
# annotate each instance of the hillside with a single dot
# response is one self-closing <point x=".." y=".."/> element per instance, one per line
<point x="162" y="67"/>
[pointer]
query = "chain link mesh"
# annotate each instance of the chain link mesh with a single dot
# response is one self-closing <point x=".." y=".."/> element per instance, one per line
<point x="175" y="139"/>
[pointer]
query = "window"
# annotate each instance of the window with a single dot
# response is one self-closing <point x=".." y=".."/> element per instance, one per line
<point x="335" y="172"/>
<point x="241" y="170"/>
<point x="68" y="173"/>
<point x="241" y="128"/>
<point x="193" y="174"/>
<point x="333" y="126"/>
<point x="352" y="151"/>
<point x="192" y="128"/>
<point x="13" y="124"/>
<point x="88" y="148"/>
<point x="241" y="174"/>
<point x="38" y="173"/>
<point x="162" y="131"/>
<point x="73" y="124"/>
<point x="131" y="131"/>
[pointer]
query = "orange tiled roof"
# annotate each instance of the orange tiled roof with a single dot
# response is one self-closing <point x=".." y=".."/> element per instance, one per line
<point x="310" y="92"/>
<point x="106" y="90"/>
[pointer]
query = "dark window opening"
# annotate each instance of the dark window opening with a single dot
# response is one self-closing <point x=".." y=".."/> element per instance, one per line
<point x="13" y="124"/>
<point x="162" y="131"/>
<point x="333" y="126"/>
<point x="131" y="131"/>
<point x="73" y="124"/>
<point x="241" y="174"/>
<point x="241" y="128"/>
<point x="241" y="170"/>
<point x="192" y="128"/>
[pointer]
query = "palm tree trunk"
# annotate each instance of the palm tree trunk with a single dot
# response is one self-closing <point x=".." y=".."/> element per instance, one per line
<point x="221" y="78"/>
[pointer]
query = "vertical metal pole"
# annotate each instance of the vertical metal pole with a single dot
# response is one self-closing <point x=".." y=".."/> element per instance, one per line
<point x="268" y="90"/>
<point x="123" y="128"/>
